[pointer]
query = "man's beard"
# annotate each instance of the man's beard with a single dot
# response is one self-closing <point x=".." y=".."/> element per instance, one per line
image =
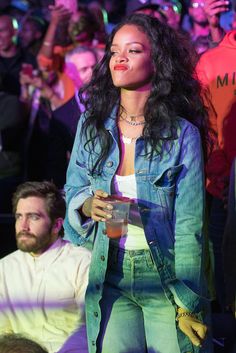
<point x="33" y="244"/>
<point x="203" y="23"/>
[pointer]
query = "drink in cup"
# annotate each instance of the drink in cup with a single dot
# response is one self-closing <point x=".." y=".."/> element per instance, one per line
<point x="117" y="225"/>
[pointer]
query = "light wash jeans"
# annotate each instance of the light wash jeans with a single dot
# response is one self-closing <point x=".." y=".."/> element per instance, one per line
<point x="136" y="315"/>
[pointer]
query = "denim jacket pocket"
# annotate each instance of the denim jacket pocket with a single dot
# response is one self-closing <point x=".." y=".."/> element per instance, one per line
<point x="168" y="177"/>
<point x="164" y="185"/>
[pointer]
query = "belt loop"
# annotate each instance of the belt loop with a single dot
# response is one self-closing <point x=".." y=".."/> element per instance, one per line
<point x="149" y="259"/>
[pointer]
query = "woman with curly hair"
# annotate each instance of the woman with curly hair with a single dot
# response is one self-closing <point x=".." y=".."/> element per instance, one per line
<point x="139" y="138"/>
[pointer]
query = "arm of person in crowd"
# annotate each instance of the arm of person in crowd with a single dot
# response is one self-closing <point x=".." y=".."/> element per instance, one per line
<point x="189" y="287"/>
<point x="25" y="81"/>
<point x="77" y="341"/>
<point x="213" y="9"/>
<point x="27" y="90"/>
<point x="59" y="13"/>
<point x="46" y="90"/>
<point x="5" y="324"/>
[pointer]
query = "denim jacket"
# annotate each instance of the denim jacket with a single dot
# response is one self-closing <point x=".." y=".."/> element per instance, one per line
<point x="170" y="193"/>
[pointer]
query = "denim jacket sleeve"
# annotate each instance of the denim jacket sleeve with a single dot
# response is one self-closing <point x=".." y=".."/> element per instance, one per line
<point x="78" y="189"/>
<point x="188" y="285"/>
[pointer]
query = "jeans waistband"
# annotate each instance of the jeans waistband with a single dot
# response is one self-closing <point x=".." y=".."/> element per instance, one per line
<point x="115" y="247"/>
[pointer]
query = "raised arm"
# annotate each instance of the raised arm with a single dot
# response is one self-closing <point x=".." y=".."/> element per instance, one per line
<point x="59" y="14"/>
<point x="213" y="9"/>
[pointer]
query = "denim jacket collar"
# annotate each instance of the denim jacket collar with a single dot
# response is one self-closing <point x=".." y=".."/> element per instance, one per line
<point x="110" y="122"/>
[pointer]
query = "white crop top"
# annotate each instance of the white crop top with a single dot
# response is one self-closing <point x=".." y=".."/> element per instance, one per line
<point x="135" y="238"/>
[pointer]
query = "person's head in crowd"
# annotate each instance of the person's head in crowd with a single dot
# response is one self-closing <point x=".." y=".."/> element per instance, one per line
<point x="83" y="26"/>
<point x="39" y="209"/>
<point x="171" y="9"/>
<point x="15" y="11"/>
<point x="115" y="10"/>
<point x="15" y="343"/>
<point x="196" y="12"/>
<point x="7" y="36"/>
<point x="99" y="14"/>
<point x="152" y="10"/>
<point x="79" y="64"/>
<point x="32" y="31"/>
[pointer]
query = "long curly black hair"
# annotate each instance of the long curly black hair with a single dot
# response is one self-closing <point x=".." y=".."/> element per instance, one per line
<point x="175" y="91"/>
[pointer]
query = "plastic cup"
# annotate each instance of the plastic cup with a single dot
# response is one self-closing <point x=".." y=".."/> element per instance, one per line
<point x="117" y="225"/>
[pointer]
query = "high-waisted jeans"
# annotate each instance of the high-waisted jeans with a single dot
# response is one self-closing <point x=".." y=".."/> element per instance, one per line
<point x="136" y="315"/>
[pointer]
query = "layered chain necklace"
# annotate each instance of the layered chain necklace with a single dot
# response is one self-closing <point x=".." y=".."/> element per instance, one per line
<point x="132" y="122"/>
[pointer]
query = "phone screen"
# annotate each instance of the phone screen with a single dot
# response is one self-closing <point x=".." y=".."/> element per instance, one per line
<point x="226" y="18"/>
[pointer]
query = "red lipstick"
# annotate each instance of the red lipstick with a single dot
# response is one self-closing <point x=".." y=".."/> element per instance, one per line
<point x="120" y="67"/>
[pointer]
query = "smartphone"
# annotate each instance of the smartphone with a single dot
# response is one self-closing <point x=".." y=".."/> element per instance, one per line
<point x="69" y="4"/>
<point x="226" y="17"/>
<point x="27" y="69"/>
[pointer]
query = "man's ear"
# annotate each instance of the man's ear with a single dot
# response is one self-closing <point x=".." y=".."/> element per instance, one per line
<point x="57" y="225"/>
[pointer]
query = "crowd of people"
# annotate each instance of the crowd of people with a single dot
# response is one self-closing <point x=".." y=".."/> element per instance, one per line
<point x="128" y="98"/>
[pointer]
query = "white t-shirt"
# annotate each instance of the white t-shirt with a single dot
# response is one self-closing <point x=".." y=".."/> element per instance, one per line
<point x="135" y="238"/>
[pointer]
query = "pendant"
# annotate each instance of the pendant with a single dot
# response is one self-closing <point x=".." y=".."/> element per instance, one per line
<point x="126" y="140"/>
<point x="132" y="117"/>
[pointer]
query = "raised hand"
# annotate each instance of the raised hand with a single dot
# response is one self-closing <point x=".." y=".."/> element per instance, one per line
<point x="213" y="9"/>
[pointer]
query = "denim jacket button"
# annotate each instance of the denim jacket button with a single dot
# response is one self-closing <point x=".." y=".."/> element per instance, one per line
<point x="102" y="258"/>
<point x="109" y="164"/>
<point x="93" y="343"/>
<point x="95" y="314"/>
<point x="169" y="174"/>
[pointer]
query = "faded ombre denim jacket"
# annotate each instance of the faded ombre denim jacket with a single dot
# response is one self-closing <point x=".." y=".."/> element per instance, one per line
<point x="170" y="192"/>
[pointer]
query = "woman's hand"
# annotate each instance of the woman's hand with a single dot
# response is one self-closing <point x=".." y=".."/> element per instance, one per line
<point x="193" y="328"/>
<point x="96" y="205"/>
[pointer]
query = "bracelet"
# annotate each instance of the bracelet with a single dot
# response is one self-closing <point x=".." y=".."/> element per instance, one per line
<point x="47" y="44"/>
<point x="187" y="313"/>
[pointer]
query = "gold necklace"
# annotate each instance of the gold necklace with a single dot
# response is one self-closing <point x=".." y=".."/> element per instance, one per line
<point x="132" y="122"/>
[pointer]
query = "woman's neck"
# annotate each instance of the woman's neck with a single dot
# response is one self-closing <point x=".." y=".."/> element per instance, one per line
<point x="134" y="101"/>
